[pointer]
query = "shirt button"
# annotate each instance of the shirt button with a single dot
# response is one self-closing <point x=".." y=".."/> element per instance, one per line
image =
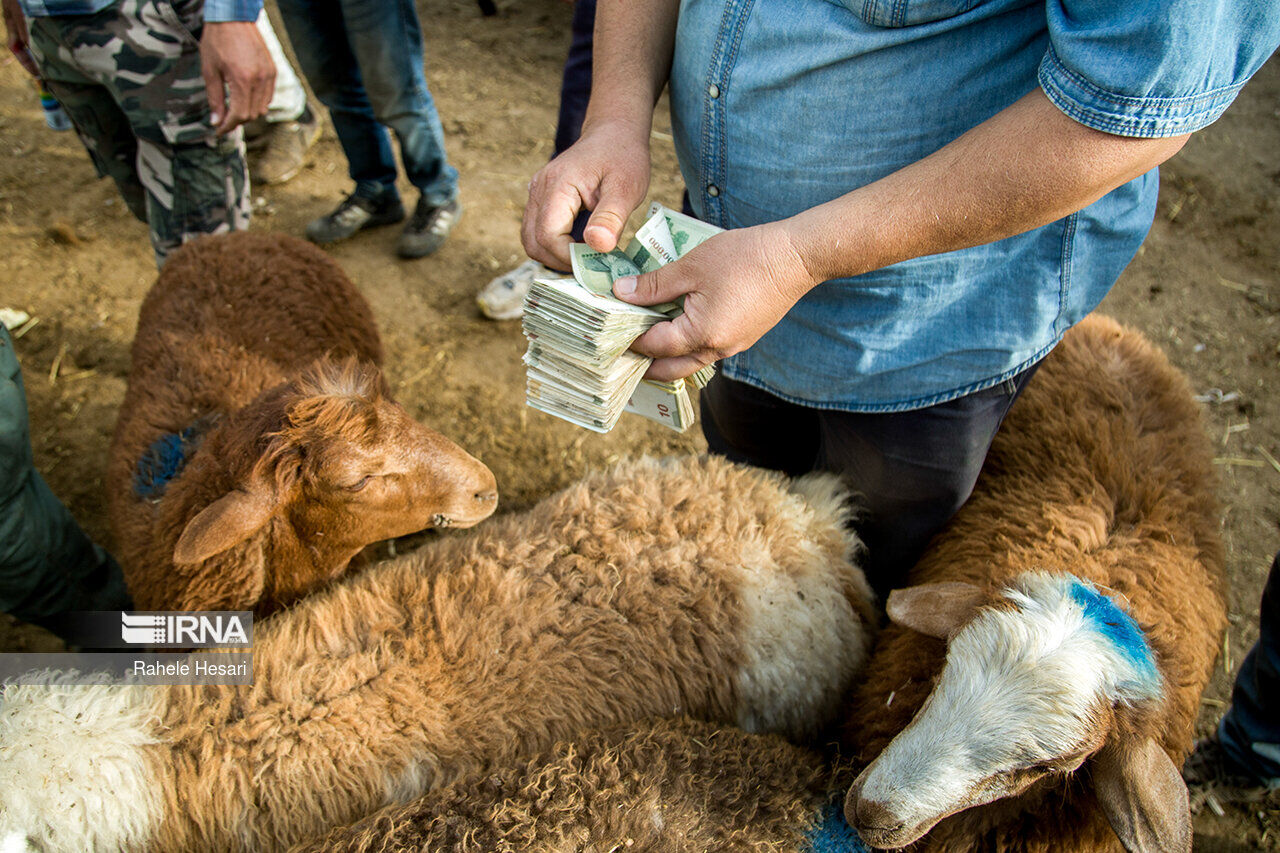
<point x="713" y="190"/>
<point x="714" y="91"/>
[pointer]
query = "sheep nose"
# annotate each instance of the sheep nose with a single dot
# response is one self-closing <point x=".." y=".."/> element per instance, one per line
<point x="487" y="496"/>
<point x="872" y="818"/>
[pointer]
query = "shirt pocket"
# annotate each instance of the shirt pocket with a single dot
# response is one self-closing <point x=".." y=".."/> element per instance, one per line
<point x="906" y="13"/>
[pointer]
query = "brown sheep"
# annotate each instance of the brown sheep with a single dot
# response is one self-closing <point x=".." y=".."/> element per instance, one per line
<point x="1057" y="722"/>
<point x="663" y="786"/>
<point x="691" y="587"/>
<point x="1101" y="470"/>
<point x="256" y="375"/>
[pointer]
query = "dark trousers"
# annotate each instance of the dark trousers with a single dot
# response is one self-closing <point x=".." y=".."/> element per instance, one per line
<point x="575" y="91"/>
<point x="47" y="564"/>
<point x="910" y="470"/>
<point x="1250" y="731"/>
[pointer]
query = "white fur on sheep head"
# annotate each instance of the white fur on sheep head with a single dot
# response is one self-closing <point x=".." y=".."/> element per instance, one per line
<point x="1030" y="687"/>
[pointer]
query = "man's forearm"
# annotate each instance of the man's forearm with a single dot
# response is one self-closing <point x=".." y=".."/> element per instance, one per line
<point x="633" y="45"/>
<point x="1027" y="166"/>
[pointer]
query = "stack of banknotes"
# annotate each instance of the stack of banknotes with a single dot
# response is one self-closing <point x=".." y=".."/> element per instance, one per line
<point x="579" y="367"/>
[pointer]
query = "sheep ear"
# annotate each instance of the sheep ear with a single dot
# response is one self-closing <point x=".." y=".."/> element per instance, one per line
<point x="934" y="609"/>
<point x="1143" y="797"/>
<point x="228" y="521"/>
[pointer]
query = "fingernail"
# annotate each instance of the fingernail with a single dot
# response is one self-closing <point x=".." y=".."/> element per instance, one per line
<point x="625" y="286"/>
<point x="214" y="118"/>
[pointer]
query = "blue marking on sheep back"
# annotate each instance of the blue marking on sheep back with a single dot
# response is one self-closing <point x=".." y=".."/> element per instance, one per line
<point x="1110" y="620"/>
<point x="163" y="461"/>
<point x="831" y="833"/>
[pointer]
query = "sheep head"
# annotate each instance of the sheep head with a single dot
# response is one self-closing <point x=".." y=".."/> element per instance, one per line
<point x="323" y="466"/>
<point x="1032" y="685"/>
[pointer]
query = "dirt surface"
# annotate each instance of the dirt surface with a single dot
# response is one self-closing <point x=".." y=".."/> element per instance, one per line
<point x="1206" y="287"/>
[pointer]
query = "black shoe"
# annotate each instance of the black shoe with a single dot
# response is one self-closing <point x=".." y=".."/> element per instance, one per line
<point x="428" y="228"/>
<point x="356" y="213"/>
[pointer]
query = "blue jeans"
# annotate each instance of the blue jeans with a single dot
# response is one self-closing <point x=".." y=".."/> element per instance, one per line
<point x="1250" y="731"/>
<point x="363" y="59"/>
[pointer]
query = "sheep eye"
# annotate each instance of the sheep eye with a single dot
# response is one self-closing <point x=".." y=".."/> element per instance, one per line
<point x="360" y="485"/>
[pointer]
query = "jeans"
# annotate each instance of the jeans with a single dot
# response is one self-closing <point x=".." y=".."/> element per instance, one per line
<point x="47" y="564"/>
<point x="363" y="59"/>
<point x="1250" y="731"/>
<point x="910" y="470"/>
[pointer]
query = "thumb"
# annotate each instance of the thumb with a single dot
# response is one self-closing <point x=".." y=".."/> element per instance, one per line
<point x="609" y="217"/>
<point x="215" y="92"/>
<point x="662" y="285"/>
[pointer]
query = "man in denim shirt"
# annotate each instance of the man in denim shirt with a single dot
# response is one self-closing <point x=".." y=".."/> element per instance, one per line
<point x="922" y="197"/>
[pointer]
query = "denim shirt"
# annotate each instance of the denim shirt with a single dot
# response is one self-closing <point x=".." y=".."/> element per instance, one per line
<point x="215" y="11"/>
<point x="781" y="105"/>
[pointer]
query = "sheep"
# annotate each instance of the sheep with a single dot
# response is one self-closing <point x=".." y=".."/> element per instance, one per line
<point x="692" y="587"/>
<point x="1096" y="498"/>
<point x="673" y="786"/>
<point x="1080" y="595"/>
<point x="257" y="450"/>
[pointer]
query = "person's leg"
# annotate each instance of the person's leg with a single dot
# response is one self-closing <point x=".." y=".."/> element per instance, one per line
<point x="289" y="99"/>
<point x="386" y="41"/>
<point x="1250" y="731"/>
<point x="575" y="90"/>
<point x="912" y="471"/>
<point x="101" y="125"/>
<point x="280" y="140"/>
<point x="48" y="566"/>
<point x="317" y="31"/>
<point x="195" y="181"/>
<point x="503" y="297"/>
<point x="747" y="425"/>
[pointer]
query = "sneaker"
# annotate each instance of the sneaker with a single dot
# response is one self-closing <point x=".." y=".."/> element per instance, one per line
<point x="503" y="298"/>
<point x="285" y="148"/>
<point x="427" y="230"/>
<point x="356" y="213"/>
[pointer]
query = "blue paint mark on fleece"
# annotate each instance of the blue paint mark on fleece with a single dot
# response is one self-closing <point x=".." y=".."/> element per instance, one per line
<point x="832" y="833"/>
<point x="163" y="461"/>
<point x="1119" y="627"/>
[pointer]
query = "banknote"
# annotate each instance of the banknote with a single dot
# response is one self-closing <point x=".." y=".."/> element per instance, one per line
<point x="579" y="365"/>
<point x="686" y="232"/>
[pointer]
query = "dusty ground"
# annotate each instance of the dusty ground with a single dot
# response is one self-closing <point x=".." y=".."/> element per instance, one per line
<point x="1206" y="287"/>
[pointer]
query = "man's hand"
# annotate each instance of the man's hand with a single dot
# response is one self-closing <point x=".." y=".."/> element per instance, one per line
<point x="607" y="172"/>
<point x="15" y="28"/>
<point x="737" y="286"/>
<point x="233" y="54"/>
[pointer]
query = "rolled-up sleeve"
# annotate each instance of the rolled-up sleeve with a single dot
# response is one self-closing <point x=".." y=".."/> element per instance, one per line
<point x="1154" y="68"/>
<point x="221" y="11"/>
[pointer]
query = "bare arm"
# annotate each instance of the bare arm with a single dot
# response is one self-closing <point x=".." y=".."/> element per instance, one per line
<point x="607" y="170"/>
<point x="1025" y="167"/>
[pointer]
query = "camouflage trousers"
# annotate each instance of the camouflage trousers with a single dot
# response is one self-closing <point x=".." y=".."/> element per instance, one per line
<point x="129" y="78"/>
